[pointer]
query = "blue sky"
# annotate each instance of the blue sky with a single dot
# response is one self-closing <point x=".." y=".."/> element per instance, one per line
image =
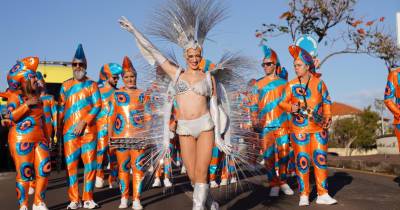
<point x="52" y="30"/>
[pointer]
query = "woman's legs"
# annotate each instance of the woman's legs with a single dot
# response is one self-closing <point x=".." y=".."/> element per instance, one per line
<point x="42" y="171"/>
<point x="188" y="153"/>
<point x="123" y="159"/>
<point x="137" y="162"/>
<point x="203" y="153"/>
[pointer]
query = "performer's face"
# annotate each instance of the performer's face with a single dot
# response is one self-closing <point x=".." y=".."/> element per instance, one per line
<point x="113" y="80"/>
<point x="41" y="84"/>
<point x="79" y="69"/>
<point x="269" y="66"/>
<point x="33" y="82"/>
<point x="300" y="68"/>
<point x="129" y="80"/>
<point x="193" y="58"/>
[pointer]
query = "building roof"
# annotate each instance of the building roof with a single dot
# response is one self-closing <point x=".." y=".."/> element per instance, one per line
<point x="339" y="109"/>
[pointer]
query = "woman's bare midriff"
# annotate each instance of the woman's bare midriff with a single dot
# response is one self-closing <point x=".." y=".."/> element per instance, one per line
<point x="191" y="106"/>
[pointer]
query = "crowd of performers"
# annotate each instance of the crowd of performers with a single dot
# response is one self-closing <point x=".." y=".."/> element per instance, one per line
<point x="193" y="117"/>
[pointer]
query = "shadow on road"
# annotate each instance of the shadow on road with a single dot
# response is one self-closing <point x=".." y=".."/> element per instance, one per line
<point x="336" y="182"/>
<point x="397" y="180"/>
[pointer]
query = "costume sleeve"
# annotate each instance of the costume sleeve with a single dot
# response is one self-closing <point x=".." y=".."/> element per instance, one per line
<point x="326" y="101"/>
<point x="53" y="110"/>
<point x="96" y="101"/>
<point x="111" y="114"/>
<point x="286" y="104"/>
<point x="61" y="108"/>
<point x="16" y="110"/>
<point x="390" y="94"/>
<point x="253" y="104"/>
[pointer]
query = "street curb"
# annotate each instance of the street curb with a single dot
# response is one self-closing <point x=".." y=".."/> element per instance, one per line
<point x="370" y="166"/>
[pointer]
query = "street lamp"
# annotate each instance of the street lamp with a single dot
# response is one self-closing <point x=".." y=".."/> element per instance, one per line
<point x="380" y="105"/>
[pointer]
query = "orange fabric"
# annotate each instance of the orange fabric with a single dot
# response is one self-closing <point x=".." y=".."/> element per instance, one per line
<point x="318" y="100"/>
<point x="28" y="122"/>
<point x="392" y="92"/>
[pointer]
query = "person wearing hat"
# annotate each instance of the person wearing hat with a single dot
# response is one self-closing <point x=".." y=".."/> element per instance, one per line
<point x="50" y="115"/>
<point x="108" y="80"/>
<point x="129" y="115"/>
<point x="308" y="101"/>
<point x="79" y="105"/>
<point x="271" y="120"/>
<point x="28" y="140"/>
<point x="392" y="92"/>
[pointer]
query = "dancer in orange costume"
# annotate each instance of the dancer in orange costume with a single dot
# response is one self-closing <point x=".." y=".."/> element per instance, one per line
<point x="79" y="105"/>
<point x="130" y="110"/>
<point x="392" y="91"/>
<point x="50" y="115"/>
<point x="272" y="121"/>
<point x="27" y="137"/>
<point x="109" y="75"/>
<point x="308" y="100"/>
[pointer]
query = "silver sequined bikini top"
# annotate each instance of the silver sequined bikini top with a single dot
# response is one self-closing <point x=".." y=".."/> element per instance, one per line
<point x="202" y="88"/>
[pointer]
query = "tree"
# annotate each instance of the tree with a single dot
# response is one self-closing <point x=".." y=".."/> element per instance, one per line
<point x="358" y="132"/>
<point x="319" y="17"/>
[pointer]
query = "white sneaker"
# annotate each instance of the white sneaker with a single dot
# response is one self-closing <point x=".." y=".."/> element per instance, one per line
<point x="124" y="203"/>
<point x="41" y="206"/>
<point x="213" y="184"/>
<point x="274" y="191"/>
<point x="233" y="180"/>
<point x="178" y="163"/>
<point x="325" y="199"/>
<point x="99" y="182"/>
<point x="136" y="205"/>
<point x="157" y="182"/>
<point x="262" y="162"/>
<point x="183" y="170"/>
<point x="74" y="205"/>
<point x="167" y="182"/>
<point x="23" y="207"/>
<point x="31" y="191"/>
<point x="285" y="188"/>
<point x="223" y="182"/>
<point x="304" y="201"/>
<point x="151" y="169"/>
<point x="90" y="205"/>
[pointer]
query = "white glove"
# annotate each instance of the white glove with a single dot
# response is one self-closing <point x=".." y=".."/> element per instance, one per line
<point x="219" y="142"/>
<point x="149" y="51"/>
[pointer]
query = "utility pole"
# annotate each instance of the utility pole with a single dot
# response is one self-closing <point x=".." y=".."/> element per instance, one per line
<point x="380" y="105"/>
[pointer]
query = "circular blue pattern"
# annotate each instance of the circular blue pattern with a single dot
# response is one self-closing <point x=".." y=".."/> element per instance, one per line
<point x="301" y="138"/>
<point x="24" y="148"/>
<point x="45" y="167"/>
<point x="122" y="186"/>
<point x="122" y="98"/>
<point x="139" y="163"/>
<point x="303" y="162"/>
<point x="27" y="171"/>
<point x="299" y="121"/>
<point x="324" y="184"/>
<point x="20" y="193"/>
<point x="44" y="146"/>
<point x="319" y="157"/>
<point x="119" y="124"/>
<point x="126" y="165"/>
<point x="301" y="184"/>
<point x="26" y="126"/>
<point x="136" y="118"/>
<point x="298" y="91"/>
<point x="322" y="137"/>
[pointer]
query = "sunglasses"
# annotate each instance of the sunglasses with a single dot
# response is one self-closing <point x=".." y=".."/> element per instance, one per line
<point x="78" y="64"/>
<point x="267" y="64"/>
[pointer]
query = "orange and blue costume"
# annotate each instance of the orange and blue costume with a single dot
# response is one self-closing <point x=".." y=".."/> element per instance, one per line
<point x="50" y="110"/>
<point x="392" y="91"/>
<point x="307" y="133"/>
<point x="79" y="101"/>
<point x="129" y="113"/>
<point x="27" y="137"/>
<point x="266" y="95"/>
<point x="106" y="92"/>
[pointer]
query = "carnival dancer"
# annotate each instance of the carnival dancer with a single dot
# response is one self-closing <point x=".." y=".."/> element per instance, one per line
<point x="392" y="91"/>
<point x="108" y="81"/>
<point x="271" y="121"/>
<point x="129" y="116"/>
<point x="27" y="137"/>
<point x="79" y="104"/>
<point x="50" y="116"/>
<point x="307" y="98"/>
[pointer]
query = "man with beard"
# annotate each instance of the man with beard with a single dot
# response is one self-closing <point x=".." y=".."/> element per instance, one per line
<point x="109" y="76"/>
<point x="79" y="105"/>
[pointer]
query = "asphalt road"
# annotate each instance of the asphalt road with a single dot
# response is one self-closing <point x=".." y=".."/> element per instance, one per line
<point x="354" y="191"/>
